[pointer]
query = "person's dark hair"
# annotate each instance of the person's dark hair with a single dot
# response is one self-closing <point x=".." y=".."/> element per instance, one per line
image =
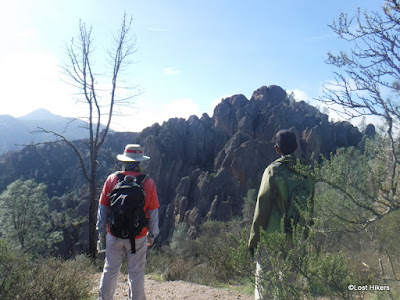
<point x="286" y="141"/>
<point x="131" y="166"/>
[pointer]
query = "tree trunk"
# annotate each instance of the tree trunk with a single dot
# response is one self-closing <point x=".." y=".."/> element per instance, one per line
<point x="92" y="220"/>
<point x="92" y="208"/>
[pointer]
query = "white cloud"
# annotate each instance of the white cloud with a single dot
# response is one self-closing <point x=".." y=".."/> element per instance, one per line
<point x="171" y="71"/>
<point x="181" y="108"/>
<point x="299" y="95"/>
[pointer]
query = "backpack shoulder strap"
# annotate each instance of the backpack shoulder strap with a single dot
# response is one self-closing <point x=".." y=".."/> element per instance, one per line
<point x="142" y="178"/>
<point x="120" y="175"/>
<point x="139" y="179"/>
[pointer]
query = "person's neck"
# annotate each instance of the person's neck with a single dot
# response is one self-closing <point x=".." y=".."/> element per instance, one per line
<point x="132" y="167"/>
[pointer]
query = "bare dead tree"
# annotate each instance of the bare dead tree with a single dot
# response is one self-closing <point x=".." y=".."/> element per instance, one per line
<point x="101" y="103"/>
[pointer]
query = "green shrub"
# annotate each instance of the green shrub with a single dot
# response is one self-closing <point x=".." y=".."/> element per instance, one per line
<point x="249" y="204"/>
<point x="12" y="273"/>
<point x="178" y="241"/>
<point x="213" y="247"/>
<point x="46" y="279"/>
<point x="25" y="217"/>
<point x="294" y="268"/>
<point x="172" y="266"/>
<point x="57" y="279"/>
<point x="209" y="259"/>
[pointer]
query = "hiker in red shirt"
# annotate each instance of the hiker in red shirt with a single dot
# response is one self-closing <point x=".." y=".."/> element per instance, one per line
<point x="119" y="248"/>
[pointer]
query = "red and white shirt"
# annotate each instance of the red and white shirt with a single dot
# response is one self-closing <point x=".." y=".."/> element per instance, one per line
<point x="149" y="187"/>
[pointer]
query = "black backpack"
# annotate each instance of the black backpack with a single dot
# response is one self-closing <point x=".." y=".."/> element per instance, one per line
<point x="126" y="217"/>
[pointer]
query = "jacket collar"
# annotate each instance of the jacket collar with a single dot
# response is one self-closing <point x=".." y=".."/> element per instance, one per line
<point x="287" y="158"/>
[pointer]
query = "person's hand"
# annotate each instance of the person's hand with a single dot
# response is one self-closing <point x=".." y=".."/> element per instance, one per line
<point x="101" y="243"/>
<point x="150" y="240"/>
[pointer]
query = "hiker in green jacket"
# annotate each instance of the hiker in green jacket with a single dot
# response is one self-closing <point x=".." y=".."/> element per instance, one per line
<point x="279" y="185"/>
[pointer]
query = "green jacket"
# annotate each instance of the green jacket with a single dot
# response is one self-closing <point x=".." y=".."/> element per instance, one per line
<point x="278" y="182"/>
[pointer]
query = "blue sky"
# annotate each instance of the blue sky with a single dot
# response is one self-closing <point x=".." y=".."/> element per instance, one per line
<point x="190" y="54"/>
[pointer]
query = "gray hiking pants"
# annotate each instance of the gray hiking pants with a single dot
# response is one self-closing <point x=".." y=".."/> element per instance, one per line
<point x="259" y="287"/>
<point x="116" y="250"/>
<point x="260" y="293"/>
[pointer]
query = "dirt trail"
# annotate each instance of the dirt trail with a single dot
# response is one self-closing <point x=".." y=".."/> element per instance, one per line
<point x="176" y="290"/>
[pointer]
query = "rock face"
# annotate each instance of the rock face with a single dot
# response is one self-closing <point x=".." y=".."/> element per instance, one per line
<point x="203" y="167"/>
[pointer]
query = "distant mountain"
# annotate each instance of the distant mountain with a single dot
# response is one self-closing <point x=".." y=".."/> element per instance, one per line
<point x="17" y="132"/>
<point x="41" y="114"/>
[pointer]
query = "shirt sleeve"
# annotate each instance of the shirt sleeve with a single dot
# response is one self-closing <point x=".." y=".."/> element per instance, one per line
<point x="151" y="207"/>
<point x="154" y="230"/>
<point x="151" y="194"/>
<point x="107" y="189"/>
<point x="102" y="218"/>
<point x="263" y="207"/>
<point x="104" y="203"/>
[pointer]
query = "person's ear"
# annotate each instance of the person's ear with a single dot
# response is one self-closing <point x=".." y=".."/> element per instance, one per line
<point x="278" y="150"/>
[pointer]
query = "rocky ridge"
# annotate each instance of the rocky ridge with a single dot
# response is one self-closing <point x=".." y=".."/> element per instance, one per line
<point x="204" y="166"/>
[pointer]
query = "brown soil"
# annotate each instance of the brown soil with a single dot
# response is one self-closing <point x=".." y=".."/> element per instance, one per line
<point x="176" y="290"/>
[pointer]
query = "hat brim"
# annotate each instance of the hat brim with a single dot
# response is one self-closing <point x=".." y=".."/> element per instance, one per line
<point x="122" y="157"/>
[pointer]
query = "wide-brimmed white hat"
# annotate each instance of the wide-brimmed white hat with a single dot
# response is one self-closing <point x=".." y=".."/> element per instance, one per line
<point x="132" y="152"/>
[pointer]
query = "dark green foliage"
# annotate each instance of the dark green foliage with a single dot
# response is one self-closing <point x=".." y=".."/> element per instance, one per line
<point x="249" y="204"/>
<point x="356" y="189"/>
<point x="25" y="217"/>
<point x="293" y="268"/>
<point x="68" y="215"/>
<point x="51" y="164"/>
<point x="301" y="266"/>
<point x="11" y="270"/>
